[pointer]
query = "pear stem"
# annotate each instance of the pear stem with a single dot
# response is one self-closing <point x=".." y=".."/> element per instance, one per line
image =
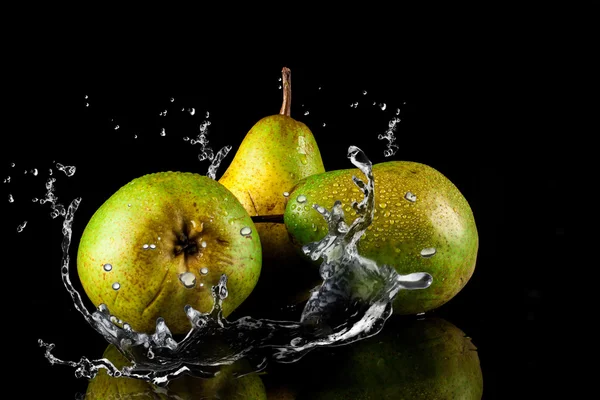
<point x="275" y="218"/>
<point x="286" y="77"/>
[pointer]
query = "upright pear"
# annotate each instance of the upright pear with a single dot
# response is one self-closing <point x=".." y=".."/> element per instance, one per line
<point x="275" y="154"/>
<point x="421" y="223"/>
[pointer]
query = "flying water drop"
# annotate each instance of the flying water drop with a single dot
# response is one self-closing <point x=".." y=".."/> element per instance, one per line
<point x="306" y="113"/>
<point x="21" y="227"/>
<point x="382" y="106"/>
<point x="7" y="180"/>
<point x="11" y="199"/>
<point x="163" y="132"/>
<point x="192" y="111"/>
<point x="116" y="127"/>
<point x="68" y="170"/>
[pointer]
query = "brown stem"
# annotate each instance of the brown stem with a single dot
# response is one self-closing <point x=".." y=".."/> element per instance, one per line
<point x="275" y="218"/>
<point x="286" y="77"/>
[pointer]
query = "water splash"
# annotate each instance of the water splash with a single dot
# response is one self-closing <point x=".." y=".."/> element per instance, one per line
<point x="206" y="152"/>
<point x="68" y="170"/>
<point x="392" y="148"/>
<point x="352" y="303"/>
<point x="21" y="226"/>
<point x="7" y="179"/>
<point x="11" y="199"/>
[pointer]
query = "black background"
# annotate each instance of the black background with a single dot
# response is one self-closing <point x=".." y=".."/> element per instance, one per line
<point x="472" y="119"/>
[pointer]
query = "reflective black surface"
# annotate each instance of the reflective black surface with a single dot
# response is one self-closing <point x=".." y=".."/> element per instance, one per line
<point x="466" y="128"/>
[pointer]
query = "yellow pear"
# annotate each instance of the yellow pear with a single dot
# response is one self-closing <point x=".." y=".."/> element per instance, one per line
<point x="274" y="155"/>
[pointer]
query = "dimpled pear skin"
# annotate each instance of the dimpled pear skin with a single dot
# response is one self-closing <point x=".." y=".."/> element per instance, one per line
<point x="156" y="228"/>
<point x="422" y="223"/>
<point x="275" y="154"/>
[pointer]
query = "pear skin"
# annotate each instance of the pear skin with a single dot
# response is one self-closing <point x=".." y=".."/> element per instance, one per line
<point x="275" y="154"/>
<point x="160" y="243"/>
<point x="421" y="223"/>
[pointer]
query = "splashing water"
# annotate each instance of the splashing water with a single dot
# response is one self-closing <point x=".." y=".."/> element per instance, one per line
<point x="68" y="170"/>
<point x="392" y="148"/>
<point x="352" y="303"/>
<point x="21" y="226"/>
<point x="206" y="152"/>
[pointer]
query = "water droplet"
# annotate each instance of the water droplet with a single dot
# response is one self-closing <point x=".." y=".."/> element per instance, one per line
<point x="35" y="172"/>
<point x="203" y="244"/>
<point x="152" y="246"/>
<point x="192" y="111"/>
<point x="11" y="198"/>
<point x="279" y="86"/>
<point x="145" y="246"/>
<point x="306" y="113"/>
<point x="135" y="136"/>
<point x="279" y="80"/>
<point x="204" y="270"/>
<point x="87" y="104"/>
<point x="12" y="165"/>
<point x="86" y="96"/>
<point x="245" y="231"/>
<point x="382" y="106"/>
<point x="324" y="124"/>
<point x="107" y="267"/>
<point x="68" y="170"/>
<point x="383" y="205"/>
<point x="128" y="205"/>
<point x="428" y="252"/>
<point x="186" y="139"/>
<point x="398" y="111"/>
<point x="116" y="127"/>
<point x="321" y="210"/>
<point x="7" y="180"/>
<point x="35" y="200"/>
<point x="21" y="227"/>
<point x="188" y="279"/>
<point x="286" y="194"/>
<point x="410" y="197"/>
<point x="207" y="114"/>
<point x="116" y="286"/>
<point x="163" y="132"/>
<point x="364" y="92"/>
<point x="301" y="198"/>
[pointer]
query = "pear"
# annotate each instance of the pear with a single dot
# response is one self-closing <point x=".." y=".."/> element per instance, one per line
<point x="421" y="223"/>
<point x="160" y="243"/>
<point x="411" y="359"/>
<point x="274" y="155"/>
<point x="223" y="386"/>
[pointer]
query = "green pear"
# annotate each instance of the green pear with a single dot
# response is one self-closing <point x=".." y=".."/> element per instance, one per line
<point x="161" y="242"/>
<point x="409" y="359"/>
<point x="421" y="223"/>
<point x="223" y="386"/>
<point x="274" y="155"/>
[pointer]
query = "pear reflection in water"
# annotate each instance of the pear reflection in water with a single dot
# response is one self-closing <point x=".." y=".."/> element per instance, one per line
<point x="223" y="386"/>
<point x="409" y="359"/>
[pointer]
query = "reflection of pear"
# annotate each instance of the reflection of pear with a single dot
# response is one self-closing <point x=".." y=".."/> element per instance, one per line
<point x="421" y="223"/>
<point x="223" y="386"/>
<point x="409" y="359"/>
<point x="275" y="154"/>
